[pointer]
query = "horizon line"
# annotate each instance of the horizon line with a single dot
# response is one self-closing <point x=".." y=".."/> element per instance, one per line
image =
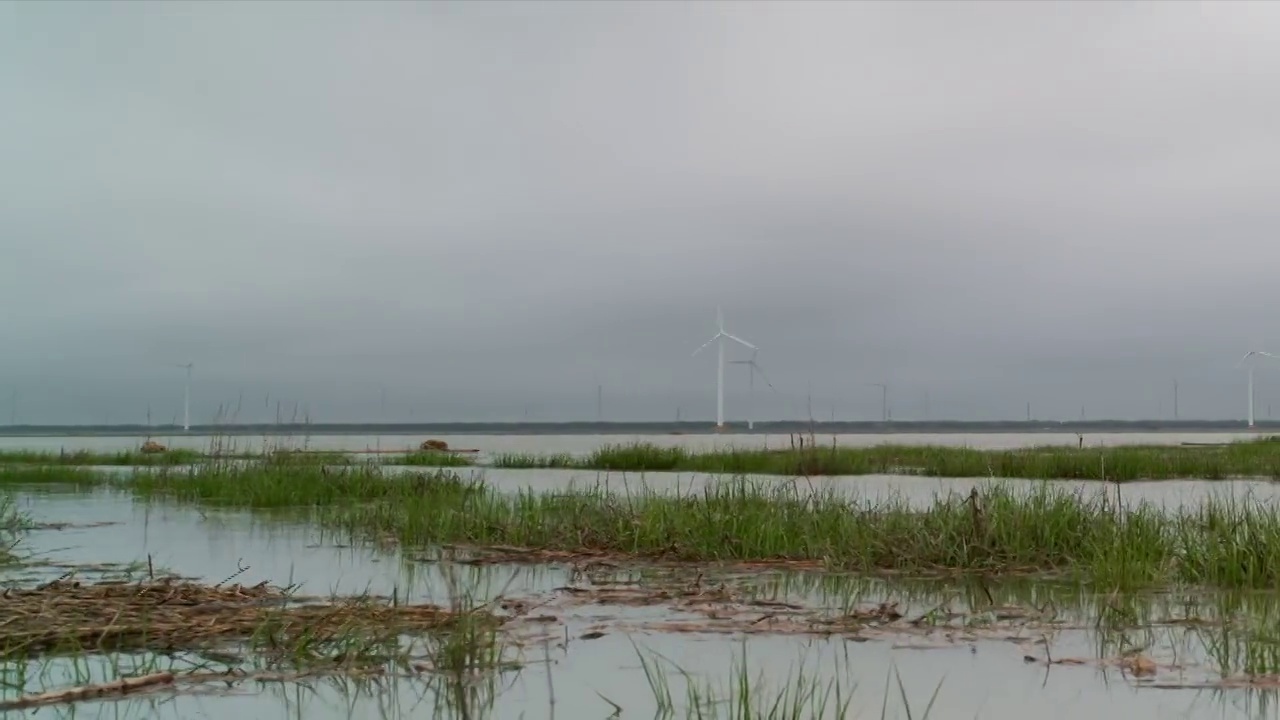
<point x="699" y="427"/>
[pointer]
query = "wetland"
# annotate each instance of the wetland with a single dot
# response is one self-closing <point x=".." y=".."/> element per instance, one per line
<point x="336" y="585"/>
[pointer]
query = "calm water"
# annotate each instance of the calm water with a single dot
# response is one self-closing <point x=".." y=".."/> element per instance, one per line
<point x="981" y="676"/>
<point x="587" y="443"/>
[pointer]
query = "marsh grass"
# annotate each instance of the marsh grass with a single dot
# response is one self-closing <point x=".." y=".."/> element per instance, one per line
<point x="820" y="691"/>
<point x="1240" y="633"/>
<point x="177" y="456"/>
<point x="434" y="458"/>
<point x="34" y="476"/>
<point x="1235" y="633"/>
<point x="1076" y="534"/>
<point x="1254" y="458"/>
<point x="519" y="461"/>
<point x="13" y="525"/>
<point x="303" y="486"/>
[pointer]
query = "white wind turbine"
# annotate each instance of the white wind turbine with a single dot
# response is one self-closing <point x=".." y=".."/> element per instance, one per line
<point x="721" y="336"/>
<point x="753" y="368"/>
<point x="186" y="398"/>
<point x="1248" y="355"/>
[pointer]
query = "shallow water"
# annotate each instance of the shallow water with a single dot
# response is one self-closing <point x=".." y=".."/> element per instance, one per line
<point x="982" y="674"/>
<point x="490" y="444"/>
<point x="969" y="685"/>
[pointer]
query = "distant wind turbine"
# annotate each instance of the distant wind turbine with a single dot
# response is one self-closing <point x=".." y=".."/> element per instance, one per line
<point x="1248" y="355"/>
<point x="721" y="336"/>
<point x="186" y="398"/>
<point x="884" y="400"/>
<point x="752" y="368"/>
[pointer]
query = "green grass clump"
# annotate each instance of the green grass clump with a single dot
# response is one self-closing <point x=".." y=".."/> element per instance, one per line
<point x="1120" y="463"/>
<point x="1077" y="535"/>
<point x="13" y="525"/>
<point x="527" y="461"/>
<point x="177" y="456"/>
<point x="434" y="458"/>
<point x="823" y="690"/>
<point x="290" y="458"/>
<point x="51" y="475"/>
<point x="297" y="486"/>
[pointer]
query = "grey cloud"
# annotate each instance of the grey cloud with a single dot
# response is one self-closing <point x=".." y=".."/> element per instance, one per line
<point x="483" y="207"/>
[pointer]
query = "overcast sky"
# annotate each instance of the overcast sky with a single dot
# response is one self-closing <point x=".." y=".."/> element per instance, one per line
<point x="481" y="210"/>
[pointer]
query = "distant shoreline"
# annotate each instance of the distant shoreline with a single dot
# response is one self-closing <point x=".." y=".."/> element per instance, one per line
<point x="647" y="428"/>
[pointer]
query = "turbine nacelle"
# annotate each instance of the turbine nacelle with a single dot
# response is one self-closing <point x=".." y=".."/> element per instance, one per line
<point x="720" y="337"/>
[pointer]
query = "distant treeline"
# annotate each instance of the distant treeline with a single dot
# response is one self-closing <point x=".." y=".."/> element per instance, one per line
<point x="648" y="428"/>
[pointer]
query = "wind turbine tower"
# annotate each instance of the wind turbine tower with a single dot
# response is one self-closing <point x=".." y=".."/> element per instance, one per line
<point x="753" y="368"/>
<point x="719" y="338"/>
<point x="1248" y="355"/>
<point x="186" y="399"/>
<point x="884" y="400"/>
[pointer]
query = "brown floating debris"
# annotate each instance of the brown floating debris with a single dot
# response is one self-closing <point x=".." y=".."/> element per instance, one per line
<point x="68" y="615"/>
<point x="442" y="446"/>
<point x="122" y="686"/>
<point x="1139" y="665"/>
<point x="151" y="446"/>
<point x="69" y="525"/>
<point x="508" y="554"/>
<point x="1135" y="664"/>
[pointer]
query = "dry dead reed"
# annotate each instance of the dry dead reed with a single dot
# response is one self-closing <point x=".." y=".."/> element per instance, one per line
<point x="167" y="614"/>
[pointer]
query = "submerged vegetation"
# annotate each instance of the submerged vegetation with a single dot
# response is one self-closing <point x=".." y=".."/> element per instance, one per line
<point x="1255" y="458"/>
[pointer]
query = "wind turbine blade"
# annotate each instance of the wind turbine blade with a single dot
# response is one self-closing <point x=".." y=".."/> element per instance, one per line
<point x="764" y="377"/>
<point x="1247" y="355"/>
<point x="705" y="344"/>
<point x="739" y="340"/>
<point x="719" y="319"/>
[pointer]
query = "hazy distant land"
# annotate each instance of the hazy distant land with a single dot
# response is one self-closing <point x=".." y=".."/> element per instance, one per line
<point x="646" y="428"/>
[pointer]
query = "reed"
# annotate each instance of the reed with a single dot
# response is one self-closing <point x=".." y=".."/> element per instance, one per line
<point x="821" y="690"/>
<point x="177" y="456"/>
<point x="433" y="458"/>
<point x="115" y="638"/>
<point x="297" y="486"/>
<point x="51" y="475"/>
<point x="13" y="525"/>
<point x="1075" y="534"/>
<point x="527" y="461"/>
<point x="1256" y="458"/>
<point x="66" y="616"/>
